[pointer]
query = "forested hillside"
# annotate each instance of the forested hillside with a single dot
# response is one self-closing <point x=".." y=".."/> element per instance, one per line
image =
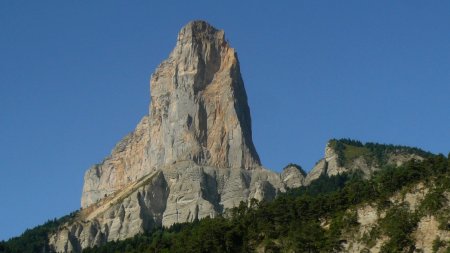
<point x="322" y="217"/>
<point x="35" y="239"/>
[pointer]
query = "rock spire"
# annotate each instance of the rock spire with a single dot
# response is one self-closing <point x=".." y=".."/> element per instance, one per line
<point x="198" y="112"/>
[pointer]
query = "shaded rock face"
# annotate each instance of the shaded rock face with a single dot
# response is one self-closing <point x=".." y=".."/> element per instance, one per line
<point x="192" y="157"/>
<point x="198" y="112"/>
<point x="197" y="191"/>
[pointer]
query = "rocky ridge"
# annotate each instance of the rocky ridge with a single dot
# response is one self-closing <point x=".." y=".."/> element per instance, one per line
<point x="344" y="156"/>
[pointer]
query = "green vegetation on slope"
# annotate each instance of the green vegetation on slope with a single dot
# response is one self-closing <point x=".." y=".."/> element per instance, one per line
<point x="374" y="153"/>
<point x="36" y="239"/>
<point x="308" y="219"/>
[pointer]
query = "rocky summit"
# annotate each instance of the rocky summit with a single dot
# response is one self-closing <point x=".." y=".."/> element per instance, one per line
<point x="198" y="113"/>
<point x="193" y="156"/>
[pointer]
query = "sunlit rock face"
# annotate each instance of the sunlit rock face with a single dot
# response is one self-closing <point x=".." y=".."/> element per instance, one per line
<point x="191" y="157"/>
<point x="199" y="109"/>
<point x="198" y="112"/>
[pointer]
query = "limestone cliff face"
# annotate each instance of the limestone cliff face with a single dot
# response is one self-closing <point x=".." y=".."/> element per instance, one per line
<point x="183" y="192"/>
<point x="198" y="112"/>
<point x="199" y="107"/>
<point x="135" y="209"/>
<point x="191" y="157"/>
<point x="127" y="163"/>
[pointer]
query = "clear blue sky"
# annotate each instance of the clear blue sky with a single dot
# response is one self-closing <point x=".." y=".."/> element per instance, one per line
<point x="74" y="79"/>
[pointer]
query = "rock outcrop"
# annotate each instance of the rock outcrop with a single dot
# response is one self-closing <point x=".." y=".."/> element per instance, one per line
<point x="198" y="112"/>
<point x="367" y="236"/>
<point x="191" y="157"/>
<point x="293" y="176"/>
<point x="127" y="163"/>
<point x="344" y="156"/>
